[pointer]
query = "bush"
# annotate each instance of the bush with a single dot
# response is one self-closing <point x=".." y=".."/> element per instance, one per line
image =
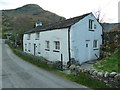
<point x="36" y="60"/>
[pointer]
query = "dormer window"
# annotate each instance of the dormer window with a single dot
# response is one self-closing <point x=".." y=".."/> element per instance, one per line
<point x="37" y="36"/>
<point x="91" y="25"/>
<point x="28" y="37"/>
<point x="38" y="23"/>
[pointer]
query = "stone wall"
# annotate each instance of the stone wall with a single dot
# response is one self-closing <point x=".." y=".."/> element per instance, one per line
<point x="110" y="37"/>
<point x="111" y="79"/>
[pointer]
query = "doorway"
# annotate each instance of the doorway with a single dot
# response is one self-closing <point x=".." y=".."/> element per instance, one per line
<point x="88" y="54"/>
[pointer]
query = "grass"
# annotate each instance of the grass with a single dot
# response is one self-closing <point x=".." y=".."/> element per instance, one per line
<point x="81" y="79"/>
<point x="110" y="64"/>
<point x="85" y="80"/>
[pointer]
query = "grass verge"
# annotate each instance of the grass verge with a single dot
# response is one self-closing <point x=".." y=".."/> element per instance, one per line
<point x="110" y="64"/>
<point x="81" y="79"/>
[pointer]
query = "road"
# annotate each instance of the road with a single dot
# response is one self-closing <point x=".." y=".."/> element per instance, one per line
<point x="17" y="73"/>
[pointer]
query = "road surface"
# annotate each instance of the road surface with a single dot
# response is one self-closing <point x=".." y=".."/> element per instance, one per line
<point x="17" y="73"/>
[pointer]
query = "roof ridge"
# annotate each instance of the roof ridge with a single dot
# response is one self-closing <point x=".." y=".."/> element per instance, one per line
<point x="61" y="24"/>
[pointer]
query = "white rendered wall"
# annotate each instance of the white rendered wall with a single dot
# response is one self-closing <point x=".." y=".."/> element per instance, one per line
<point x="51" y="36"/>
<point x="79" y="34"/>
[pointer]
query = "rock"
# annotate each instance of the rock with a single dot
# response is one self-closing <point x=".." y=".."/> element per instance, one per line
<point x="106" y="75"/>
<point x="91" y="71"/>
<point x="77" y="68"/>
<point x="72" y="67"/>
<point x="112" y="74"/>
<point x="117" y="77"/>
<point x="100" y="74"/>
<point x="95" y="73"/>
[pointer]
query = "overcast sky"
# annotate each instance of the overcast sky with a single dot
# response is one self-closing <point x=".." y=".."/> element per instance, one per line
<point x="70" y="8"/>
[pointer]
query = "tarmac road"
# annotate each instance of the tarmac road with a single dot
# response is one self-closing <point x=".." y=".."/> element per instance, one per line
<point x="17" y="73"/>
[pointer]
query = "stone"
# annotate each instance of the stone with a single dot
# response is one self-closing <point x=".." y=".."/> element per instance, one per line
<point x="117" y="77"/>
<point x="100" y="74"/>
<point x="77" y="68"/>
<point x="106" y="75"/>
<point x="72" y="67"/>
<point x="95" y="73"/>
<point x="91" y="71"/>
<point x="112" y="74"/>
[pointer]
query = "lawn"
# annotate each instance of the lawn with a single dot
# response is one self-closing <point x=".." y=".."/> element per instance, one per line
<point x="110" y="64"/>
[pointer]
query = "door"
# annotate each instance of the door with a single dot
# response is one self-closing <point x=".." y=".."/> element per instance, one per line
<point x="34" y="49"/>
<point x="88" y="54"/>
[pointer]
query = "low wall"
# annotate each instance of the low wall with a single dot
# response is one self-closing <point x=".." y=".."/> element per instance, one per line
<point x="111" y="79"/>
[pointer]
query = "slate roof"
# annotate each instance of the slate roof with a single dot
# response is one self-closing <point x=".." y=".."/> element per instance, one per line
<point x="58" y="25"/>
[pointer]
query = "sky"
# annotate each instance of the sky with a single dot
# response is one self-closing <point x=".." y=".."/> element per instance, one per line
<point x="70" y="8"/>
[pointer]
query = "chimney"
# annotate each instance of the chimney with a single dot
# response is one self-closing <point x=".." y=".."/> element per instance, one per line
<point x="38" y="23"/>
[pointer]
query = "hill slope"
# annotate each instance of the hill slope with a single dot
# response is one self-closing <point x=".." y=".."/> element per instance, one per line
<point x="23" y="18"/>
<point x="108" y="27"/>
<point x="110" y="64"/>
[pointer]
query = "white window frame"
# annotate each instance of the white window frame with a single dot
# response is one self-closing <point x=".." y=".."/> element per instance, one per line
<point x="91" y="25"/>
<point x="95" y="44"/>
<point x="47" y="45"/>
<point x="57" y="45"/>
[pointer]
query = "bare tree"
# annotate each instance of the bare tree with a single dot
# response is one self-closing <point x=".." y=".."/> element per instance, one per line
<point x="99" y="16"/>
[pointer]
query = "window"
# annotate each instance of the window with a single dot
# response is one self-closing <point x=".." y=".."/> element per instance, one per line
<point x="29" y="47"/>
<point x="25" y="47"/>
<point x="86" y="44"/>
<point x="57" y="45"/>
<point x="95" y="44"/>
<point x="47" y="46"/>
<point x="95" y="26"/>
<point x="37" y="36"/>
<point x="28" y="37"/>
<point x="91" y="24"/>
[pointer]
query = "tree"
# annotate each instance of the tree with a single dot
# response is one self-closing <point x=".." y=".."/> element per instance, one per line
<point x="99" y="16"/>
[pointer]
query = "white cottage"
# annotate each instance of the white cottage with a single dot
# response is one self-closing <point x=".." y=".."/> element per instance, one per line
<point x="77" y="38"/>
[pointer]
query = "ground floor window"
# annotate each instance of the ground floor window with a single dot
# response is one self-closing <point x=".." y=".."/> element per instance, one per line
<point x="95" y="44"/>
<point x="25" y="47"/>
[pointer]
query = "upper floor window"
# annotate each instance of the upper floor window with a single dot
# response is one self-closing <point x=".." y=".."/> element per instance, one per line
<point x="28" y="37"/>
<point x="47" y="45"/>
<point x="91" y="25"/>
<point x="37" y="36"/>
<point x="95" y="44"/>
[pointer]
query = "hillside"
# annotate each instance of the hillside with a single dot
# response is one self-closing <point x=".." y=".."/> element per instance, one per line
<point x="23" y="18"/>
<point x="107" y="27"/>
<point x="110" y="63"/>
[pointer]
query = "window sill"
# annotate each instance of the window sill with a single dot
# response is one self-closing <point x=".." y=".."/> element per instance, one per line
<point x="95" y="49"/>
<point x="36" y="39"/>
<point x="56" y="51"/>
<point x="47" y="49"/>
<point x="91" y="30"/>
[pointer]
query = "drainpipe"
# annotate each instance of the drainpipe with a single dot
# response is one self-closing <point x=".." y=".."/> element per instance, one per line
<point x="69" y="46"/>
